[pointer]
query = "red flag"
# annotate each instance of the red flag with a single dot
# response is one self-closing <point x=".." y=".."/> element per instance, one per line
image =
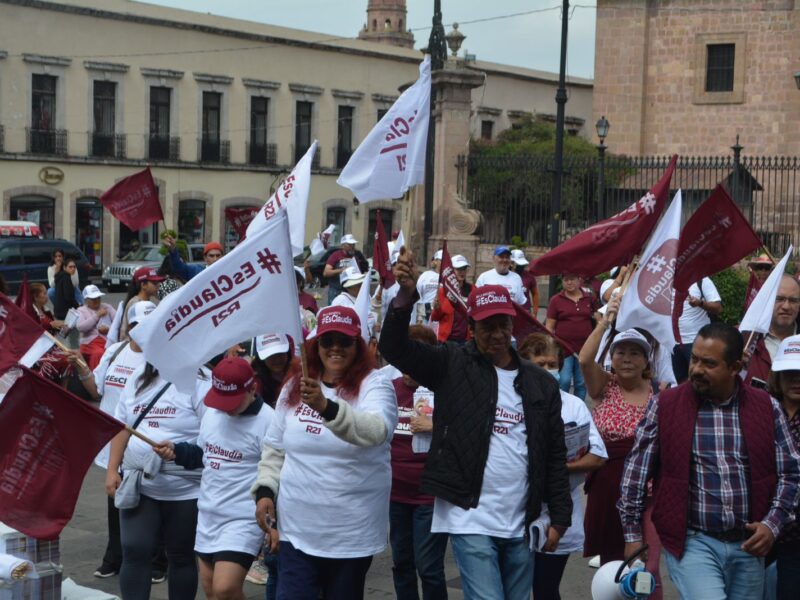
<point x="714" y="238"/>
<point x="50" y="437"/>
<point x="380" y="253"/>
<point x="612" y="242"/>
<point x="18" y="332"/>
<point x="24" y="300"/>
<point x="240" y="218"/>
<point x="134" y="201"/>
<point x="524" y="324"/>
<point x="752" y="290"/>
<point x="448" y="280"/>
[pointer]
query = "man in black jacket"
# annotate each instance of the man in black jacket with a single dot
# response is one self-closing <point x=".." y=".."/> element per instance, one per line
<point x="498" y="446"/>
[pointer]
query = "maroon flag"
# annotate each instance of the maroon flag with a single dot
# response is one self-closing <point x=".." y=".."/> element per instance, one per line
<point x="240" y="218"/>
<point x="448" y="280"/>
<point x="18" y="332"/>
<point x="134" y="201"/>
<point x="753" y="285"/>
<point x="24" y="300"/>
<point x="50" y="437"/>
<point x="714" y="238"/>
<point x="524" y="323"/>
<point x="380" y="253"/>
<point x="612" y="242"/>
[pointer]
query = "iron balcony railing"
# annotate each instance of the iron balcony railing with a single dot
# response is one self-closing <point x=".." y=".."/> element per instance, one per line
<point x="108" y="145"/>
<point x="46" y="141"/>
<point x="163" y="147"/>
<point x="262" y="154"/>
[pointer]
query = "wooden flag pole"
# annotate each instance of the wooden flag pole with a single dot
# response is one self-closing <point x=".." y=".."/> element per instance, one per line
<point x="304" y="359"/>
<point x="767" y="252"/>
<point x="625" y="281"/>
<point x="141" y="436"/>
<point x="66" y="348"/>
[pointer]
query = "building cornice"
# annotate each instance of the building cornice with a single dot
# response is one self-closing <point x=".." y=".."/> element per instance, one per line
<point x="161" y="73"/>
<point x="302" y="88"/>
<point x="93" y="65"/>
<point x="384" y="98"/>
<point x="489" y="110"/>
<point x="208" y="78"/>
<point x="57" y="61"/>
<point x="261" y="84"/>
<point x="348" y="95"/>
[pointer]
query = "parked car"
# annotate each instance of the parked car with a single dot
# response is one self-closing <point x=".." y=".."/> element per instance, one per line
<point x="20" y="255"/>
<point x="117" y="276"/>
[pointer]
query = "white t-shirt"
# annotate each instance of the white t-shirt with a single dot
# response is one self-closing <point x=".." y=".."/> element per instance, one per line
<point x="427" y="286"/>
<point x="231" y="451"/>
<point x="511" y="281"/>
<point x="504" y="494"/>
<point x="388" y="295"/>
<point x="175" y="417"/>
<point x="694" y="317"/>
<point x="334" y="496"/>
<point x="110" y="380"/>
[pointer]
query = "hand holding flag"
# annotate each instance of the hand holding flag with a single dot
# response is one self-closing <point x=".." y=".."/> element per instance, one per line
<point x="380" y="254"/>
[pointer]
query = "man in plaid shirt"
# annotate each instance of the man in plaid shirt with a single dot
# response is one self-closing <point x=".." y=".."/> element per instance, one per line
<point x="725" y="471"/>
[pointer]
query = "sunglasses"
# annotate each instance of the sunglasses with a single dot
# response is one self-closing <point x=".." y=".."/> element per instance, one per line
<point x="329" y="340"/>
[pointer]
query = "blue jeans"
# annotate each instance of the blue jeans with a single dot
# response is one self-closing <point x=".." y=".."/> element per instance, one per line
<point x="569" y="372"/>
<point x="415" y="550"/>
<point x="493" y="568"/>
<point x="711" y="569"/>
<point x="303" y="576"/>
<point x="271" y="562"/>
<point x="51" y="294"/>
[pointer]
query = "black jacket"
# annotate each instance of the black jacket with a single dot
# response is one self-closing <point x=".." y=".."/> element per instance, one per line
<point x="465" y="386"/>
<point x="64" y="296"/>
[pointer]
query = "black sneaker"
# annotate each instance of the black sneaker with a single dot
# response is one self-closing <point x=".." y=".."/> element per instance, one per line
<point x="159" y="577"/>
<point x="105" y="570"/>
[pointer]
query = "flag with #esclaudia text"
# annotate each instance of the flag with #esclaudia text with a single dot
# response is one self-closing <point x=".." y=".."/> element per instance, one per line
<point x="252" y="288"/>
<point x="134" y="201"/>
<point x="391" y="158"/>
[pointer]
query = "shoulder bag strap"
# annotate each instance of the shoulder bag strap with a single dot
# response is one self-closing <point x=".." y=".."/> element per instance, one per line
<point x="117" y="352"/>
<point x="143" y="414"/>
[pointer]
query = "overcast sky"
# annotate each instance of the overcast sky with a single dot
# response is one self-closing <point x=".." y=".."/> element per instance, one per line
<point x="526" y="40"/>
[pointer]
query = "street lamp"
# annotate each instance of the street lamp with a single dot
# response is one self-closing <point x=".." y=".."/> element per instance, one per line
<point x="602" y="126"/>
<point x="454" y="40"/>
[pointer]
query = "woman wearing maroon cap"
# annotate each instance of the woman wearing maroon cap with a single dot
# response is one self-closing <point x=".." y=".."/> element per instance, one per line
<point x="144" y="286"/>
<point x="326" y="458"/>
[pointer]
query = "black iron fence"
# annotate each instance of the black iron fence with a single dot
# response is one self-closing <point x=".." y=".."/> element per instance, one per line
<point x="513" y="193"/>
<point x="46" y="141"/>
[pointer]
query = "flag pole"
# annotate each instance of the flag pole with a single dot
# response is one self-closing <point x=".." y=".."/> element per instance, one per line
<point x="769" y="254"/>
<point x="66" y="348"/>
<point x="141" y="436"/>
<point x="625" y="281"/>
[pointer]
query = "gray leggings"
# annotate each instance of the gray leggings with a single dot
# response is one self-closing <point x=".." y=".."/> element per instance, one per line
<point x="139" y="531"/>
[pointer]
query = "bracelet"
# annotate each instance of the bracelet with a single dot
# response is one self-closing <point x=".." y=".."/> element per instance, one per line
<point x="85" y="377"/>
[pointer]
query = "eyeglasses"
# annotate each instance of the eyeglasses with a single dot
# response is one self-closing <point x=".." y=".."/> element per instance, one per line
<point x="213" y="255"/>
<point x="790" y="301"/>
<point x="329" y="340"/>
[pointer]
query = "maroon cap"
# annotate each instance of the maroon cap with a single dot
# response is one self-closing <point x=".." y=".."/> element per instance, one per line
<point x="338" y="318"/>
<point x="231" y="379"/>
<point x="147" y="274"/>
<point x="489" y="300"/>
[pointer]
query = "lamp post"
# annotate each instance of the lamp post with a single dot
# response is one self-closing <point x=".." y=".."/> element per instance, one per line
<point x="602" y="126"/>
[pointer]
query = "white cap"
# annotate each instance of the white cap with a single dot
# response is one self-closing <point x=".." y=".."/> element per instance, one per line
<point x="604" y="288"/>
<point x="459" y="261"/>
<point x="139" y="311"/>
<point x="92" y="291"/>
<point x="352" y="276"/>
<point x="788" y="356"/>
<point x="270" y="344"/>
<point x="348" y="239"/>
<point x="518" y="256"/>
<point x="633" y="337"/>
<point x="438" y="255"/>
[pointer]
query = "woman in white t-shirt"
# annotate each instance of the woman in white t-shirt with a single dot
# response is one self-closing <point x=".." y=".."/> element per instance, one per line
<point x="167" y="494"/>
<point x="326" y="457"/>
<point x="544" y="351"/>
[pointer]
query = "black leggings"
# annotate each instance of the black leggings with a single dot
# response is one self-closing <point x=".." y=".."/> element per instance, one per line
<point x="547" y="572"/>
<point x="139" y="530"/>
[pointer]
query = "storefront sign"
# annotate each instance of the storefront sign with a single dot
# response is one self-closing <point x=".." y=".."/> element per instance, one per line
<point x="51" y="175"/>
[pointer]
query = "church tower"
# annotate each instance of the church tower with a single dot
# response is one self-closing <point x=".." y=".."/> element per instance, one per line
<point x="386" y="24"/>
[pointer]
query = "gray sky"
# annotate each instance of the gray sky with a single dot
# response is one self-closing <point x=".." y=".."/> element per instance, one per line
<point x="529" y="40"/>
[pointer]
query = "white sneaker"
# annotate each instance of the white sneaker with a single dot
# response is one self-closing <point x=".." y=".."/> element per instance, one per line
<point x="594" y="562"/>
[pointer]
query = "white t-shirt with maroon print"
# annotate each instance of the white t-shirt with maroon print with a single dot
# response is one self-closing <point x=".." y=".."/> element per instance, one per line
<point x="501" y="508"/>
<point x="333" y="500"/>
<point x="231" y="451"/>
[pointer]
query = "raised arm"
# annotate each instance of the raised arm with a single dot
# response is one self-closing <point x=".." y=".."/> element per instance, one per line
<point x="595" y="375"/>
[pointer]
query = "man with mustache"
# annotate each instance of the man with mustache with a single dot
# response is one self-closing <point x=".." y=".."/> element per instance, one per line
<point x="725" y="474"/>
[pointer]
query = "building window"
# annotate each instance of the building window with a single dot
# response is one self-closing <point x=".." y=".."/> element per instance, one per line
<point x="382" y="113"/>
<point x="386" y="217"/>
<point x="259" y="108"/>
<point x="719" y="67"/>
<point x="336" y="216"/>
<point x="40" y="210"/>
<point x="89" y="230"/>
<point x="487" y="130"/>
<point x="160" y="101"/>
<point x="231" y="235"/>
<point x="104" y="106"/>
<point x="43" y="114"/>
<point x="132" y="241"/>
<point x="302" y="129"/>
<point x="212" y="104"/>
<point x="192" y="221"/>
<point x="344" y="138"/>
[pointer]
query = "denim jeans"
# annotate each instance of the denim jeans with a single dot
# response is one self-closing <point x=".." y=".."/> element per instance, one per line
<point x="711" y="569"/>
<point x="416" y="551"/>
<point x="303" y="576"/>
<point x="788" y="559"/>
<point x="571" y="371"/>
<point x="493" y="568"/>
<point x="271" y="563"/>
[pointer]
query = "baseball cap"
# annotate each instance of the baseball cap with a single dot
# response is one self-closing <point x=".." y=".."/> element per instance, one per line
<point x="632" y="336"/>
<point x="147" y="274"/>
<point x="92" y="291"/>
<point x="502" y="250"/>
<point x="788" y="356"/>
<point x="518" y="256"/>
<point x="352" y="276"/>
<point x="139" y="311"/>
<point x="270" y="344"/>
<point x="438" y="255"/>
<point x="231" y="379"/>
<point x="348" y="239"/>
<point x="338" y="318"/>
<point x="489" y="300"/>
<point x="212" y="246"/>
<point x="459" y="262"/>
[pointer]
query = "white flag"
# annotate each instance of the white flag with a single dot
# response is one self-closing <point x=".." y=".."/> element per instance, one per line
<point x="394" y="247"/>
<point x="647" y="301"/>
<point x="362" y="306"/>
<point x="37" y="350"/>
<point x="252" y="288"/>
<point x="759" y="315"/>
<point x="391" y="158"/>
<point x="292" y="197"/>
<point x="113" y="332"/>
<point x="320" y="243"/>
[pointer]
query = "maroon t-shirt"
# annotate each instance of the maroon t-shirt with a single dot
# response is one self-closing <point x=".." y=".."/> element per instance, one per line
<point x="308" y="302"/>
<point x="529" y="285"/>
<point x="573" y="319"/>
<point x="407" y="465"/>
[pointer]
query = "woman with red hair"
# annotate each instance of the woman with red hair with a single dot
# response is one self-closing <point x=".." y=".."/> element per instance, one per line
<point x="326" y="460"/>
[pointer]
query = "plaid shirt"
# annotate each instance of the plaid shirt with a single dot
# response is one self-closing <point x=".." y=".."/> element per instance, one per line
<point x="719" y="471"/>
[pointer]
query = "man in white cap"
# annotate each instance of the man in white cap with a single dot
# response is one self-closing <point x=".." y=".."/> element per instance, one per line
<point x="339" y="261"/>
<point x="94" y="320"/>
<point x="503" y="275"/>
<point x="529" y="285"/>
<point x="428" y="283"/>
